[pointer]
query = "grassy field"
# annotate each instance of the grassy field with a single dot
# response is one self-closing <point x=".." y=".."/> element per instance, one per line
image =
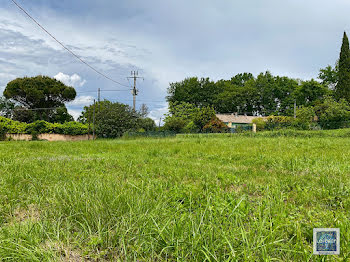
<point x="213" y="198"/>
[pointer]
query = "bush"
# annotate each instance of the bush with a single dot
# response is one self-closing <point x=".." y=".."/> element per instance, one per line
<point x="333" y="114"/>
<point x="190" y="128"/>
<point x="41" y="127"/>
<point x="306" y="114"/>
<point x="174" y="124"/>
<point x="215" y="125"/>
<point x="260" y="123"/>
<point x="70" y="128"/>
<point x="284" y="122"/>
<point x="3" y="131"/>
<point x="146" y="124"/>
<point x="114" y="119"/>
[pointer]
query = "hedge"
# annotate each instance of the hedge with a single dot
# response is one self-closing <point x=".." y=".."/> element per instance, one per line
<point x="41" y="127"/>
<point x="280" y="122"/>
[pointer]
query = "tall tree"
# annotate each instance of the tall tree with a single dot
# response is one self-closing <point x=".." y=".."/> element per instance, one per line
<point x="342" y="89"/>
<point x="40" y="92"/>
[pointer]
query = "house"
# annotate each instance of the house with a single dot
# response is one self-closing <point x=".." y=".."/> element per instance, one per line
<point x="235" y="121"/>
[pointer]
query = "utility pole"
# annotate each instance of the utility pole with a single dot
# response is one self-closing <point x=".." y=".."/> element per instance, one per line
<point x="134" y="75"/>
<point x="160" y="121"/>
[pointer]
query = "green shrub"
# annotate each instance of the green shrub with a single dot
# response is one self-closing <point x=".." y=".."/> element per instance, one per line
<point x="260" y="123"/>
<point x="38" y="127"/>
<point x="71" y="128"/>
<point x="333" y="114"/>
<point x="284" y="122"/>
<point x="42" y="127"/>
<point x="174" y="124"/>
<point x="215" y="125"/>
<point x="3" y="131"/>
<point x="190" y="128"/>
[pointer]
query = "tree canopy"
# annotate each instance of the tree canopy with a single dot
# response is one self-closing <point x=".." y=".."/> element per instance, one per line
<point x="245" y="94"/>
<point x="114" y="119"/>
<point x="37" y="93"/>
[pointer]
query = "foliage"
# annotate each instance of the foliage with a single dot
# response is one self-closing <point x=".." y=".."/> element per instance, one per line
<point x="190" y="128"/>
<point x="181" y="114"/>
<point x="328" y="114"/>
<point x="215" y="125"/>
<point x="333" y="114"/>
<point x="41" y="127"/>
<point x="283" y="122"/>
<point x="310" y="93"/>
<point x="342" y="89"/>
<point x="112" y="120"/>
<point x="198" y="92"/>
<point x="146" y="124"/>
<point x="306" y="114"/>
<point x="86" y="115"/>
<point x="40" y="92"/>
<point x="202" y="116"/>
<point x="183" y="110"/>
<point x="174" y="124"/>
<point x="245" y="94"/>
<point x="329" y="76"/>
<point x="260" y="123"/>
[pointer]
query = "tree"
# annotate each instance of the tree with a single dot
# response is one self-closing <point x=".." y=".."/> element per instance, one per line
<point x="329" y="76"/>
<point x="174" y="124"/>
<point x="333" y="114"/>
<point x="199" y="92"/>
<point x="112" y="120"/>
<point x="182" y="114"/>
<point x="87" y="113"/>
<point x="202" y="116"/>
<point x="40" y="92"/>
<point x="342" y="89"/>
<point x="310" y="93"/>
<point x="146" y="124"/>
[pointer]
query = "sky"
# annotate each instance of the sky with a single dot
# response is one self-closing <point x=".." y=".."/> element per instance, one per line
<point x="167" y="41"/>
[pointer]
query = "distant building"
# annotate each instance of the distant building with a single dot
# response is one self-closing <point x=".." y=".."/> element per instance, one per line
<point x="235" y="121"/>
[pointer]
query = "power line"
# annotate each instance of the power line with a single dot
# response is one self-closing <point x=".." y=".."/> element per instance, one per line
<point x="66" y="48"/>
<point x="104" y="91"/>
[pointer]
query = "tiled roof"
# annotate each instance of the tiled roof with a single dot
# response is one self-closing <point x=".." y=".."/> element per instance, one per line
<point x="239" y="119"/>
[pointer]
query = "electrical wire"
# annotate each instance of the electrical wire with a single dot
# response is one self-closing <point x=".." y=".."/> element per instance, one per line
<point x="104" y="91"/>
<point x="66" y="48"/>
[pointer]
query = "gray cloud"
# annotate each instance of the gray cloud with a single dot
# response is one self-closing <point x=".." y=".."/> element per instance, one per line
<point x="170" y="40"/>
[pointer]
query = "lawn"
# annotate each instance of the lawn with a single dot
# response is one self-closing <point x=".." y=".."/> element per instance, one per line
<point x="214" y="198"/>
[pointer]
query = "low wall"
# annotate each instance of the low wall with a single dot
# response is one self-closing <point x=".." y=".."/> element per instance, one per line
<point x="49" y="137"/>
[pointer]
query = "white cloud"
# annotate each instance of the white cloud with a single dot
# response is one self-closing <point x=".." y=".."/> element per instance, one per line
<point x="158" y="113"/>
<point x="82" y="101"/>
<point x="73" y="80"/>
<point x="74" y="113"/>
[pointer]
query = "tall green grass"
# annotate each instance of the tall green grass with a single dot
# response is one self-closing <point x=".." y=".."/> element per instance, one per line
<point x="219" y="198"/>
